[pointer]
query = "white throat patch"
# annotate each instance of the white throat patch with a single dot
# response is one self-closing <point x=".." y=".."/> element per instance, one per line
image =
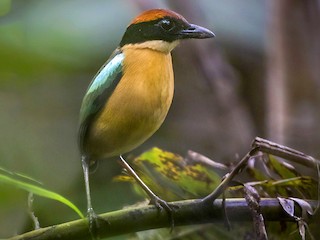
<point x="158" y="45"/>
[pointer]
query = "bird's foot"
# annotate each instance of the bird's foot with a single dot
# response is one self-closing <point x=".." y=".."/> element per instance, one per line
<point x="163" y="205"/>
<point x="95" y="222"/>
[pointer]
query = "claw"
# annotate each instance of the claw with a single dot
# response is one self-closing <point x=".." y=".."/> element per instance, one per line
<point x="160" y="204"/>
<point x="92" y="217"/>
<point x="95" y="222"/>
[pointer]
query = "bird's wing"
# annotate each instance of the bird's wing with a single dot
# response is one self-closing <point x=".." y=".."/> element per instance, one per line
<point x="98" y="92"/>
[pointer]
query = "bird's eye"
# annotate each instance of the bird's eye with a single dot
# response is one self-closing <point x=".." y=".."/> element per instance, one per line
<point x="166" y="24"/>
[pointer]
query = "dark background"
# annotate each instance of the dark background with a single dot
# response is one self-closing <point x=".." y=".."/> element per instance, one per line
<point x="258" y="77"/>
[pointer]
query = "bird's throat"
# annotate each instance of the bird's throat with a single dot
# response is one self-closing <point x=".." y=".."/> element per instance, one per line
<point x="157" y="45"/>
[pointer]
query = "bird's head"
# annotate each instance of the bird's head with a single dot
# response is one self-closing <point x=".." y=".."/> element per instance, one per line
<point x="161" y="30"/>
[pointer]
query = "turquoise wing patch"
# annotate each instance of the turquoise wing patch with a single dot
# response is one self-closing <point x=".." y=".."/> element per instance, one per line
<point x="98" y="92"/>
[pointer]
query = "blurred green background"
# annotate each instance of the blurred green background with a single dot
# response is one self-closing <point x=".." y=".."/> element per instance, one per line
<point x="49" y="52"/>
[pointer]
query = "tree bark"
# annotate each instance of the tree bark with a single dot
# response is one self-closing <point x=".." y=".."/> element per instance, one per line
<point x="293" y="73"/>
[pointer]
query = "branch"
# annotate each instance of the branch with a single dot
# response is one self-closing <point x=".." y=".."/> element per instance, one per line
<point x="285" y="152"/>
<point x="189" y="212"/>
<point x="265" y="146"/>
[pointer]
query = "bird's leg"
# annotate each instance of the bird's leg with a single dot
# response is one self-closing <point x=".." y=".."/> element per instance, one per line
<point x="154" y="199"/>
<point x="92" y="216"/>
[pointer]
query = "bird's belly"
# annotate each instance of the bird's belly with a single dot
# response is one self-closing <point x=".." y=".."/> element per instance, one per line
<point x="124" y="129"/>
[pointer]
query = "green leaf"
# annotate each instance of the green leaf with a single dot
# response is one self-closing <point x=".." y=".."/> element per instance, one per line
<point x="21" y="176"/>
<point x="37" y="190"/>
<point x="281" y="168"/>
<point x="172" y="178"/>
<point x="304" y="187"/>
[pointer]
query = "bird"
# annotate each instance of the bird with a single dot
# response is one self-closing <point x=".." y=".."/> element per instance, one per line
<point x="130" y="96"/>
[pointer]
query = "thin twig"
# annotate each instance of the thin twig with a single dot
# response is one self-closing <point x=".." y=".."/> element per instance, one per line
<point x="199" y="158"/>
<point x="290" y="154"/>
<point x="278" y="150"/>
<point x="31" y="212"/>
<point x="265" y="146"/>
<point x="228" y="178"/>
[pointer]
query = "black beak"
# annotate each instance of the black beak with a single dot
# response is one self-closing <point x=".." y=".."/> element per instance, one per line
<point x="195" y="31"/>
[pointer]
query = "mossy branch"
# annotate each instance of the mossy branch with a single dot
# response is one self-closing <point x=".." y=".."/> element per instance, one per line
<point x="136" y="219"/>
